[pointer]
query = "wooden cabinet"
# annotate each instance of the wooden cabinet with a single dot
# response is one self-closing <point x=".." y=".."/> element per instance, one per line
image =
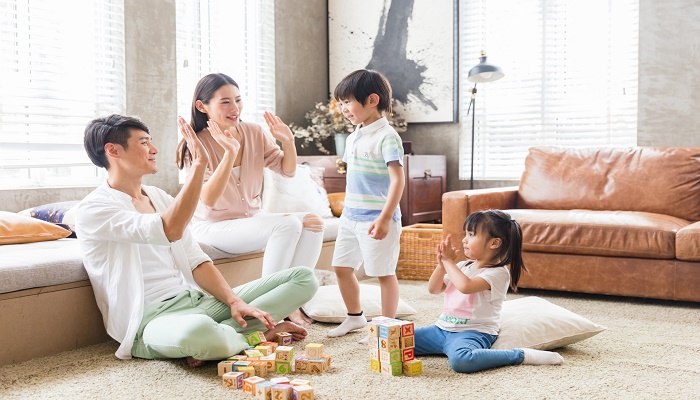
<point x="425" y="183"/>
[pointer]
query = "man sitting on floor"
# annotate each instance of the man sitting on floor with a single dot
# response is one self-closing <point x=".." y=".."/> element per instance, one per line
<point x="149" y="275"/>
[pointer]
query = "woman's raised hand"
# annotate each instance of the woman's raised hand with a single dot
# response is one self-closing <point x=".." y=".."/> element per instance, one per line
<point x="279" y="129"/>
<point x="225" y="139"/>
<point x="194" y="145"/>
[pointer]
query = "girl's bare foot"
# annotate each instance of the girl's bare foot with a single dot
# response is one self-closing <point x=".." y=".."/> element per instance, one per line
<point x="194" y="363"/>
<point x="299" y="318"/>
<point x="298" y="332"/>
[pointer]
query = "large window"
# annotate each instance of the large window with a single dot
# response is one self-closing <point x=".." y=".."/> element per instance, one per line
<point x="62" y="65"/>
<point x="234" y="37"/>
<point x="570" y="79"/>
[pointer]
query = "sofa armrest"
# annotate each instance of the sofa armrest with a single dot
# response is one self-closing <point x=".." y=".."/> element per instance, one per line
<point x="457" y="205"/>
<point x="688" y="242"/>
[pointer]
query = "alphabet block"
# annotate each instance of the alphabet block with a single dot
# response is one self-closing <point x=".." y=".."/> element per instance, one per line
<point x="283" y="338"/>
<point x="281" y="379"/>
<point x="314" y="350"/>
<point x="285" y="353"/>
<point x="260" y="368"/>
<point x="253" y="353"/>
<point x="407" y="354"/>
<point x="282" y="367"/>
<point x="249" y="384"/>
<point x="407" y="341"/>
<point x="263" y="390"/>
<point x="374" y="365"/>
<point x="413" y="367"/>
<point x="317" y="366"/>
<point x="225" y="366"/>
<point x="407" y="328"/>
<point x="389" y="344"/>
<point x="390" y="330"/>
<point x="301" y="364"/>
<point x="394" y="369"/>
<point x="281" y="391"/>
<point x="255" y="338"/>
<point x="273" y="345"/>
<point x="264" y="350"/>
<point x="300" y="382"/>
<point x="303" y="392"/>
<point x="233" y="380"/>
<point x="372" y="329"/>
<point x="248" y="371"/>
<point x="390" y="357"/>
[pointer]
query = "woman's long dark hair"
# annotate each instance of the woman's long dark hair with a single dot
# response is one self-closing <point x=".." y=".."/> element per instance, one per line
<point x="206" y="87"/>
<point x="498" y="224"/>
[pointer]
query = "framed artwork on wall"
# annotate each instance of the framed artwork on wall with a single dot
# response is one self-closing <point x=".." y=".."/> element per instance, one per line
<point x="412" y="42"/>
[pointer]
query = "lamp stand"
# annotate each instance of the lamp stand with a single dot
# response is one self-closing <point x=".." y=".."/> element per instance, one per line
<point x="472" y="107"/>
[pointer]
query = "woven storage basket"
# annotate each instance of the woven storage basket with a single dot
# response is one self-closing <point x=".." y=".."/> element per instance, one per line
<point x="417" y="258"/>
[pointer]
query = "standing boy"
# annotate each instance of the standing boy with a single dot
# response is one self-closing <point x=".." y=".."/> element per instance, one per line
<point x="370" y="225"/>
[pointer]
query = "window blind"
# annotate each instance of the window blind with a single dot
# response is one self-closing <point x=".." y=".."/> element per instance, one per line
<point x="234" y="37"/>
<point x="570" y="79"/>
<point x="62" y="65"/>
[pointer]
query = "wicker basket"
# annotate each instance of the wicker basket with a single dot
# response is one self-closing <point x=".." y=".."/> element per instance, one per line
<point x="417" y="258"/>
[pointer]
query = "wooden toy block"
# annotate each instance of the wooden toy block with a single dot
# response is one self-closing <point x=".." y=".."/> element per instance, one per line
<point x="282" y="367"/>
<point x="300" y="382"/>
<point x="253" y="353"/>
<point x="270" y="361"/>
<point x="303" y="392"/>
<point x="314" y="350"/>
<point x="393" y="369"/>
<point x="233" y="380"/>
<point x="389" y="344"/>
<point x="407" y="341"/>
<point x="301" y="364"/>
<point x="372" y="329"/>
<point x="407" y="328"/>
<point x="281" y="379"/>
<point x="327" y="357"/>
<point x="373" y="342"/>
<point x="248" y="371"/>
<point x="240" y="364"/>
<point x="374" y="365"/>
<point x="373" y="353"/>
<point x="281" y="391"/>
<point x="390" y="357"/>
<point x="413" y="367"/>
<point x="255" y="338"/>
<point x="273" y="345"/>
<point x="260" y="368"/>
<point x="380" y="319"/>
<point x="390" y="330"/>
<point x="264" y="350"/>
<point x="237" y="357"/>
<point x="317" y="366"/>
<point x="283" y="338"/>
<point x="407" y="354"/>
<point x="249" y="384"/>
<point x="263" y="390"/>
<point x="225" y="366"/>
<point x="285" y="353"/>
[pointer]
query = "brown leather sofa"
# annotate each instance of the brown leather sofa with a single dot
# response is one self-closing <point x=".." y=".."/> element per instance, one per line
<point x="618" y="221"/>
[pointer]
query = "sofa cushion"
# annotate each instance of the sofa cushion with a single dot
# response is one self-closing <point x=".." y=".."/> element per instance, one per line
<point x="61" y="214"/>
<point x="16" y="228"/>
<point x="688" y="243"/>
<point x="647" y="179"/>
<point x="600" y="233"/>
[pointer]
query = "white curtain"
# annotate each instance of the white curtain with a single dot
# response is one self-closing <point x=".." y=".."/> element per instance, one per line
<point x="570" y="79"/>
<point x="234" y="37"/>
<point x="62" y="65"/>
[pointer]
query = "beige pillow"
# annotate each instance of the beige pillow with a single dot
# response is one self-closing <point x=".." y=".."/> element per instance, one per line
<point x="15" y="228"/>
<point x="327" y="304"/>
<point x="536" y="323"/>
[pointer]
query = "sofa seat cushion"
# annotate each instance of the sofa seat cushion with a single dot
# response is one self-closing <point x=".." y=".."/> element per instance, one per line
<point x="600" y="233"/>
<point x="688" y="243"/>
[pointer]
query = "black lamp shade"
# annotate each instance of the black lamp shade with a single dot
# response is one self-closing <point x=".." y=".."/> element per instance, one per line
<point x="485" y="71"/>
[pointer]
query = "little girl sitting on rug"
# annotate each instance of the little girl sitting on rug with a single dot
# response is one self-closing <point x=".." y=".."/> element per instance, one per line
<point x="474" y="293"/>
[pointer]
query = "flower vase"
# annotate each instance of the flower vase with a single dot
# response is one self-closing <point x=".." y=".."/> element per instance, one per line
<point x="340" y="139"/>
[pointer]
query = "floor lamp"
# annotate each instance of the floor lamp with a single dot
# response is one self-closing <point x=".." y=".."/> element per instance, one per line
<point x="482" y="72"/>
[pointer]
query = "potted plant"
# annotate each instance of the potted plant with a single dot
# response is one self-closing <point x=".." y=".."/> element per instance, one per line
<point x="326" y="121"/>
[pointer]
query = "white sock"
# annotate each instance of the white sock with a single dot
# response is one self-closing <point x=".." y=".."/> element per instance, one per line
<point x="351" y="323"/>
<point x="540" y="357"/>
<point x="364" y="340"/>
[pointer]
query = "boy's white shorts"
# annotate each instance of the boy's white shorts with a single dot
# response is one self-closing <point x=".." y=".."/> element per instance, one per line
<point x="353" y="245"/>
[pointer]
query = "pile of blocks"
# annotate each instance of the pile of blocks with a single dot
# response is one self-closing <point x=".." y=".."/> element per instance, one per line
<point x="247" y="371"/>
<point x="391" y="346"/>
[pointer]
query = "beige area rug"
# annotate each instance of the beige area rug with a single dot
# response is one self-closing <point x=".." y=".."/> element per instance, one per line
<point x="651" y="350"/>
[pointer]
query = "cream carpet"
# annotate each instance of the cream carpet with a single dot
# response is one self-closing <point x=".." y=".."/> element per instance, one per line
<point x="651" y="350"/>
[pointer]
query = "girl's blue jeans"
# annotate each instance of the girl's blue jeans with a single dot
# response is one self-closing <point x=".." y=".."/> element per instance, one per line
<point x="467" y="352"/>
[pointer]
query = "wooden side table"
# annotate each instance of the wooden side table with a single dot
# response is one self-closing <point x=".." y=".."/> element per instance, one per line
<point x="426" y="181"/>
